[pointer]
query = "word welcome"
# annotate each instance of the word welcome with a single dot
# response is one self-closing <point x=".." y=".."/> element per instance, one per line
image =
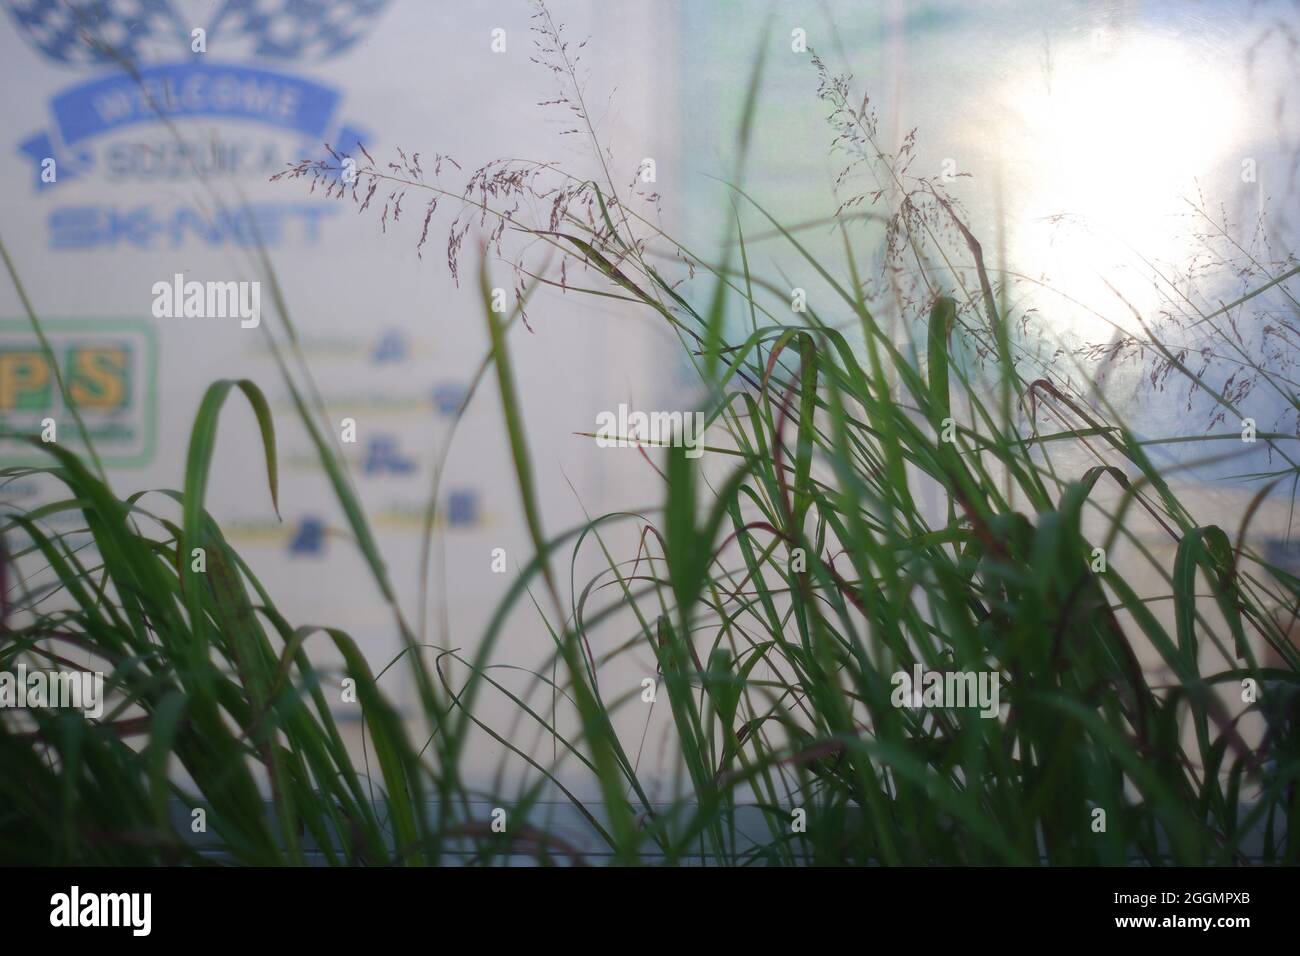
<point x="208" y="300"/>
<point x="629" y="429"/>
<point x="82" y="690"/>
<point x="946" y="689"/>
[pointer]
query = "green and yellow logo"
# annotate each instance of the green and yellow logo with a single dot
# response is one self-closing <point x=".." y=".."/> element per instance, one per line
<point x="109" y="367"/>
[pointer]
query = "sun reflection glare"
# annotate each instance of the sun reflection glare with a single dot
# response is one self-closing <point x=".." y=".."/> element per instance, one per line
<point x="1107" y="144"/>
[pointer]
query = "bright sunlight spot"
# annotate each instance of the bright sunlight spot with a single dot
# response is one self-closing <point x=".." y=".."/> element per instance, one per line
<point x="1111" y="145"/>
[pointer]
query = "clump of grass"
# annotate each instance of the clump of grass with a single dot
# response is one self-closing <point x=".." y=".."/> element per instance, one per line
<point x="780" y="600"/>
<point x="218" y="740"/>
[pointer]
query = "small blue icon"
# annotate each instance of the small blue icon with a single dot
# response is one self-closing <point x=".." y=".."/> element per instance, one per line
<point x="384" y="455"/>
<point x="448" y="396"/>
<point x="309" y="538"/>
<point x="462" y="508"/>
<point x="391" y="347"/>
